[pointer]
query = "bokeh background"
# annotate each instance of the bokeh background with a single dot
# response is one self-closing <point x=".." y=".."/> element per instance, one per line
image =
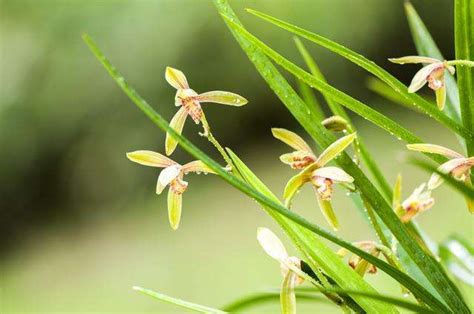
<point x="80" y="224"/>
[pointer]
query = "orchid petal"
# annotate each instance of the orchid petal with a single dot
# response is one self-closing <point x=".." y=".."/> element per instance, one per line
<point x="197" y="166"/>
<point x="149" y="158"/>
<point x="334" y="173"/>
<point x="224" y="98"/>
<point x="434" y="149"/>
<point x="293" y="186"/>
<point x="441" y="96"/>
<point x="287" y="293"/>
<point x="328" y="212"/>
<point x="298" y="159"/>
<point x="177" y="124"/>
<point x="176" y="78"/>
<point x="166" y="176"/>
<point x="271" y="244"/>
<point x="335" y="149"/>
<point x="436" y="180"/>
<point x="292" y="139"/>
<point x="175" y="201"/>
<point x="413" y="59"/>
<point x="421" y="77"/>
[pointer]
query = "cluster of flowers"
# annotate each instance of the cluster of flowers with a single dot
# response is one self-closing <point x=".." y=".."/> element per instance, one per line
<point x="189" y="103"/>
<point x="313" y="169"/>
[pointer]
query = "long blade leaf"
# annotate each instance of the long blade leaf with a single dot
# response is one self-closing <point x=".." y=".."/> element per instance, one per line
<point x="405" y="280"/>
<point x="181" y="303"/>
<point x="342" y="98"/>
<point x="427" y="264"/>
<point x="416" y="100"/>
<point x="464" y="42"/>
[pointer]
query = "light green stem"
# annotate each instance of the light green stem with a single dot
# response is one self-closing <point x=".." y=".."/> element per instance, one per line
<point x="468" y="63"/>
<point x="208" y="134"/>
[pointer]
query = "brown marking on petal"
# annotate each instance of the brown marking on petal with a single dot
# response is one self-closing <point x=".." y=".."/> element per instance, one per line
<point x="436" y="78"/>
<point x="324" y="187"/>
<point x="178" y="186"/>
<point x="193" y="108"/>
<point x="301" y="162"/>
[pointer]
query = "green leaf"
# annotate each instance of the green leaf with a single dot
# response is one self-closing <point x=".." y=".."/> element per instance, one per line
<point x="414" y="287"/>
<point x="310" y="245"/>
<point x="307" y="294"/>
<point x="356" y="106"/>
<point x="427" y="264"/>
<point x="426" y="46"/>
<point x="376" y="70"/>
<point x="457" y="254"/>
<point x="385" y="91"/>
<point x="464" y="43"/>
<point x="178" y="302"/>
<point x="264" y="297"/>
<point x="339" y="111"/>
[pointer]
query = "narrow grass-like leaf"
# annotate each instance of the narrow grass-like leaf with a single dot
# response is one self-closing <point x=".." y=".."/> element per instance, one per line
<point x="339" y="111"/>
<point x="415" y="288"/>
<point x="426" y="46"/>
<point x="427" y="264"/>
<point x="347" y="101"/>
<point x="181" y="303"/>
<point x="307" y="94"/>
<point x="385" y="91"/>
<point x="306" y="294"/>
<point x="416" y="100"/>
<point x="291" y="100"/>
<point x="308" y="244"/>
<point x="464" y="43"/>
<point x="253" y="300"/>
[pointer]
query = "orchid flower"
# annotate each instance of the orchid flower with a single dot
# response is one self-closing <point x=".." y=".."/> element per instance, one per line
<point x="272" y="245"/>
<point x="190" y="104"/>
<point x="172" y="175"/>
<point x="432" y="73"/>
<point x="419" y="201"/>
<point x="314" y="171"/>
<point x="458" y="166"/>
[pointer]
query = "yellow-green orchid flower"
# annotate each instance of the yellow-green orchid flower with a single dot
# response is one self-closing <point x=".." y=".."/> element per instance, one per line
<point x="190" y="103"/>
<point x="272" y="245"/>
<point x="172" y="175"/>
<point x="419" y="201"/>
<point x="314" y="170"/>
<point x="432" y="73"/>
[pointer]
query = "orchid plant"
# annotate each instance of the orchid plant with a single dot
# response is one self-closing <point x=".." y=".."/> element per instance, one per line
<point x="408" y="252"/>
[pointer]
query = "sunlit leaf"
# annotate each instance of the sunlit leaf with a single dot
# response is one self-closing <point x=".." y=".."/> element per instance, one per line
<point x="178" y="302"/>
<point x="370" y="66"/>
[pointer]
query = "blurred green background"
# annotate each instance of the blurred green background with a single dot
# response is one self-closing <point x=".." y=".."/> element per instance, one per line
<point x="80" y="224"/>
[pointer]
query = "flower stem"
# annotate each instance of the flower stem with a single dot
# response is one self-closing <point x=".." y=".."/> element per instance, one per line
<point x="207" y="133"/>
<point x="461" y="62"/>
